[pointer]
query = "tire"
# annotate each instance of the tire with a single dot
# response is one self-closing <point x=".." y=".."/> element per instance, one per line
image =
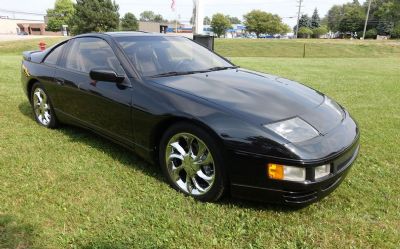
<point x="42" y="107"/>
<point x="196" y="170"/>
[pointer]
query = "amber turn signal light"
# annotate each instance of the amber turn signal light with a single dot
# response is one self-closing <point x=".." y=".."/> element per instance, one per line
<point x="287" y="173"/>
<point x="275" y="171"/>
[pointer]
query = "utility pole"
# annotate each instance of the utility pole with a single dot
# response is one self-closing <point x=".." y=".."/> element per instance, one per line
<point x="366" y="19"/>
<point x="298" y="19"/>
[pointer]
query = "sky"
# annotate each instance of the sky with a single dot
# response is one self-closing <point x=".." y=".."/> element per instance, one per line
<point x="287" y="9"/>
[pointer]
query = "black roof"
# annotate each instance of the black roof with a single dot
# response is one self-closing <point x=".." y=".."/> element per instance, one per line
<point x="133" y="33"/>
<point x="120" y="34"/>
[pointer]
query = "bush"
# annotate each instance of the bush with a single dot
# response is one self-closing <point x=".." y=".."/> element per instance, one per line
<point x="396" y="32"/>
<point x="317" y="32"/>
<point x="305" y="32"/>
<point x="371" y="34"/>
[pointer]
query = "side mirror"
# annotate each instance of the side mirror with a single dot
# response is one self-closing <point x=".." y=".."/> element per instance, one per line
<point x="105" y="74"/>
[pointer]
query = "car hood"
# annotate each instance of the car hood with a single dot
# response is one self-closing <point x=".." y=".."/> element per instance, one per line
<point x="259" y="98"/>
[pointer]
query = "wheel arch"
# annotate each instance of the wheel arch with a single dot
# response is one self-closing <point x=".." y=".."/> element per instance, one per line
<point x="29" y="86"/>
<point x="164" y="125"/>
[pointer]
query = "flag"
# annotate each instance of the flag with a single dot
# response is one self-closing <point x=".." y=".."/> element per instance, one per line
<point x="173" y="5"/>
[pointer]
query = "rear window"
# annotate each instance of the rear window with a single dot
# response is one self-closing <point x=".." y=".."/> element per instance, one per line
<point x="52" y="58"/>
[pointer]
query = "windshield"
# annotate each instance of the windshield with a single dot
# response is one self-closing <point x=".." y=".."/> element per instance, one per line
<point x="167" y="55"/>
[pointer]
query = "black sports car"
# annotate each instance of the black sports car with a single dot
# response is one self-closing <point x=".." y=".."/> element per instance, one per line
<point x="211" y="125"/>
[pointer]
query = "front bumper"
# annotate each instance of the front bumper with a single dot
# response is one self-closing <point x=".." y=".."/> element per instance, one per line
<point x="255" y="185"/>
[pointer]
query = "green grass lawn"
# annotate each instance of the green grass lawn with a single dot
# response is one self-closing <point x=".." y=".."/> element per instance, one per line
<point x="314" y="48"/>
<point x="68" y="188"/>
<point x="16" y="47"/>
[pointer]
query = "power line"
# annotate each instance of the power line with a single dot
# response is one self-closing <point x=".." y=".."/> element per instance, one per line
<point x="21" y="12"/>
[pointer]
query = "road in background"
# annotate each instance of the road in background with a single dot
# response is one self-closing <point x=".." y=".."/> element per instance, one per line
<point x="22" y="37"/>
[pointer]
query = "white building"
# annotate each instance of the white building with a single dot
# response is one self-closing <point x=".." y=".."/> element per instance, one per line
<point x="15" y="26"/>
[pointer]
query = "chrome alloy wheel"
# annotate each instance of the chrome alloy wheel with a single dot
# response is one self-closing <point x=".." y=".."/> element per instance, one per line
<point x="190" y="164"/>
<point x="41" y="106"/>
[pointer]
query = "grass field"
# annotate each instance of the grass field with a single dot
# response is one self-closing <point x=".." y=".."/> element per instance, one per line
<point x="68" y="188"/>
<point x="313" y="48"/>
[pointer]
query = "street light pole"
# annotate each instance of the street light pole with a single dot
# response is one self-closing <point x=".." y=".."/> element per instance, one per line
<point x="366" y="19"/>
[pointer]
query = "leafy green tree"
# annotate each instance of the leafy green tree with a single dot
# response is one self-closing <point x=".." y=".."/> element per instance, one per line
<point x="324" y="22"/>
<point x="384" y="14"/>
<point x="396" y="31"/>
<point x="317" y="32"/>
<point x="305" y="21"/>
<point x="206" y="20"/>
<point x="61" y="14"/>
<point x="388" y="14"/>
<point x="334" y="16"/>
<point x="261" y="22"/>
<point x="371" y="34"/>
<point x="384" y="27"/>
<point x="159" y="18"/>
<point x="315" y="20"/>
<point x="129" y="22"/>
<point x="219" y="24"/>
<point x="147" y="16"/>
<point x="234" y="20"/>
<point x="352" y="21"/>
<point x="376" y="11"/>
<point x="305" y="32"/>
<point x="347" y="17"/>
<point x="284" y="29"/>
<point x="150" y="16"/>
<point x="95" y="16"/>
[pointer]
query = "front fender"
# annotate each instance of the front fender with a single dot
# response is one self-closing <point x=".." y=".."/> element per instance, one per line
<point x="154" y="105"/>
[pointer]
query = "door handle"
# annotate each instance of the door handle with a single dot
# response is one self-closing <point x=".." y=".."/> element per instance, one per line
<point x="59" y="81"/>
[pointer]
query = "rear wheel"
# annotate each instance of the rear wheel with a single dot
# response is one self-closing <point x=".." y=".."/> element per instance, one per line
<point x="192" y="163"/>
<point x="42" y="108"/>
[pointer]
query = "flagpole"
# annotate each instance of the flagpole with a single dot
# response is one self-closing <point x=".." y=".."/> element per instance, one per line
<point x="173" y="7"/>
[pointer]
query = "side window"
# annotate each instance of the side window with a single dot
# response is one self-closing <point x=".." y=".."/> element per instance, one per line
<point x="52" y="58"/>
<point x="88" y="53"/>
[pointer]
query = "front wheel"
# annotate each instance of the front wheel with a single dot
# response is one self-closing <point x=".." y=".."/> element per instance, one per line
<point x="192" y="163"/>
<point x="42" y="108"/>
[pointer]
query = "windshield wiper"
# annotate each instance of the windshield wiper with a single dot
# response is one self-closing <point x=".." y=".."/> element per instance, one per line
<point x="222" y="68"/>
<point x="179" y="73"/>
<point x="175" y="73"/>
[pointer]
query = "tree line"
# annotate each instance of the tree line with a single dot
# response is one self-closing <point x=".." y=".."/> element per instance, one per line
<point x="311" y="27"/>
<point x="384" y="18"/>
<point x="257" y="21"/>
<point x="102" y="15"/>
<point x="95" y="16"/>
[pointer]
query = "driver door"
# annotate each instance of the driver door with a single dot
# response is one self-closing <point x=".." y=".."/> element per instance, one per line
<point x="102" y="106"/>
